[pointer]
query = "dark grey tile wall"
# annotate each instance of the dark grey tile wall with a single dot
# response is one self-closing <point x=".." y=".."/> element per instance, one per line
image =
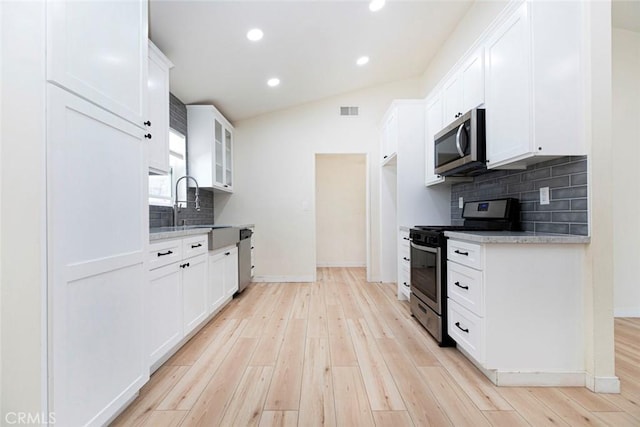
<point x="162" y="216"/>
<point x="566" y="177"/>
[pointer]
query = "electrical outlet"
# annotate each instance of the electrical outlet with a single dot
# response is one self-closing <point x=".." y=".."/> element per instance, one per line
<point x="460" y="202"/>
<point x="544" y="196"/>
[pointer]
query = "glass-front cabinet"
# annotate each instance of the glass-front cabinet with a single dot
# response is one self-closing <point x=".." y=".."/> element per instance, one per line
<point x="210" y="148"/>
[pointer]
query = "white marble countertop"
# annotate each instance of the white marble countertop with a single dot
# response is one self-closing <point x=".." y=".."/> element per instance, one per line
<point x="515" y="237"/>
<point x="161" y="233"/>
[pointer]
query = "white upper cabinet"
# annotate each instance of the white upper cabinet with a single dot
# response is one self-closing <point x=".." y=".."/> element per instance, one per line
<point x="433" y="125"/>
<point x="534" y="85"/>
<point x="157" y="122"/>
<point x="210" y="147"/>
<point x="98" y="50"/>
<point x="465" y="89"/>
<point x="389" y="137"/>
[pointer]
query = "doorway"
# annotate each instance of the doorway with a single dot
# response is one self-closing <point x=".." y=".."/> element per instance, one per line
<point x="341" y="210"/>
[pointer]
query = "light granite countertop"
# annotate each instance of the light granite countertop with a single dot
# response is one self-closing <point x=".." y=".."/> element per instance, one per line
<point x="516" y="237"/>
<point x="405" y="228"/>
<point x="161" y="233"/>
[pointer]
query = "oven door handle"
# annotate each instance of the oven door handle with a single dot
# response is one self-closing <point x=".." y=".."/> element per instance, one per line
<point x="424" y="248"/>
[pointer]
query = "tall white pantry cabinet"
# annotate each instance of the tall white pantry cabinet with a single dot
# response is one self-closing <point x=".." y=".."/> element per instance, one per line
<point x="97" y="212"/>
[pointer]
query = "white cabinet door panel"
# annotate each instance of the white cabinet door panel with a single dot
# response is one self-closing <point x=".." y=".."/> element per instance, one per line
<point x="96" y="189"/>
<point x="194" y="291"/>
<point x="164" y="311"/>
<point x="472" y="76"/>
<point x="231" y="272"/>
<point x="507" y="86"/>
<point x="157" y="121"/>
<point x="98" y="50"/>
<point x="216" y="294"/>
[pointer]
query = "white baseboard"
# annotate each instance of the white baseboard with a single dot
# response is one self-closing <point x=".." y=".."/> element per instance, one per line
<point x="341" y="264"/>
<point x="602" y="384"/>
<point x="282" y="279"/>
<point x="626" y="312"/>
<point x="540" y="379"/>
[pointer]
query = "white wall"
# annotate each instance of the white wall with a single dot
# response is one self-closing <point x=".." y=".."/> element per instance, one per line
<point x="274" y="158"/>
<point x="341" y="210"/>
<point x="626" y="184"/>
<point x="22" y="180"/>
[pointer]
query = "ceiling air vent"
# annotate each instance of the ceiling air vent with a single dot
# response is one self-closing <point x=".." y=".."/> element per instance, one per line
<point x="349" y="111"/>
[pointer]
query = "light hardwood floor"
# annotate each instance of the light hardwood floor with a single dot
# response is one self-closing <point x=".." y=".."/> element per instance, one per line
<point x="345" y="352"/>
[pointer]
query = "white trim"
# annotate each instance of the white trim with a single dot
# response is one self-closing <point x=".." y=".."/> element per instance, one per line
<point x="341" y="264"/>
<point x="626" y="312"/>
<point x="283" y="279"/>
<point x="602" y="384"/>
<point x="540" y="379"/>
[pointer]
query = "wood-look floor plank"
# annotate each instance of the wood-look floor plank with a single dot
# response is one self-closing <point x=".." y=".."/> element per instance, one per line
<point x="317" y="407"/>
<point x="165" y="419"/>
<point x="531" y="409"/>
<point x="185" y="393"/>
<point x="279" y="419"/>
<point x="352" y="403"/>
<point x="416" y="393"/>
<point x="284" y="393"/>
<point x="301" y="302"/>
<point x="212" y="403"/>
<point x="629" y="405"/>
<point x="317" y="325"/>
<point x="270" y="342"/>
<point x="340" y="344"/>
<point x="245" y="409"/>
<point x="150" y="396"/>
<point x="381" y="389"/>
<point x="505" y="419"/>
<point x="194" y="348"/>
<point x="617" y="419"/>
<point x="452" y="399"/>
<point x="569" y="410"/>
<point x="589" y="400"/>
<point x="392" y="419"/>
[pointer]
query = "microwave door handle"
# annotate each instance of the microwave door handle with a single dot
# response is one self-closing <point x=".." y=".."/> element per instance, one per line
<point x="458" y="140"/>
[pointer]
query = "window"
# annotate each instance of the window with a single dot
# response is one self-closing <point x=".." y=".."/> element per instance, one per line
<point x="162" y="187"/>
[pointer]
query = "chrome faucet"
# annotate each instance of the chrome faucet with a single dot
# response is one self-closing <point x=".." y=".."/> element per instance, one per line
<point x="176" y="206"/>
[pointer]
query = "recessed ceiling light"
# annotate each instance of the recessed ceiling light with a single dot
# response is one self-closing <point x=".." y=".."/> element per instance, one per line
<point x="273" y="82"/>
<point x="255" y="34"/>
<point x="376" y="5"/>
<point x="362" y="60"/>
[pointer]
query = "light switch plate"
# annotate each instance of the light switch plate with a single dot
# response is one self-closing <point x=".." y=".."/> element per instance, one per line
<point x="544" y="196"/>
<point x="460" y="202"/>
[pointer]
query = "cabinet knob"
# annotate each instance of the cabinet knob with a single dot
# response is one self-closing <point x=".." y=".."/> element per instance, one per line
<point x="227" y="253"/>
<point x="405" y="258"/>
<point x="385" y="157"/>
<point x="226" y="185"/>
<point x="405" y="283"/>
<point x="147" y="123"/>
<point x="148" y="136"/>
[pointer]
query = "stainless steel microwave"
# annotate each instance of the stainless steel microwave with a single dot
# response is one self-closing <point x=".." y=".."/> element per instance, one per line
<point x="460" y="147"/>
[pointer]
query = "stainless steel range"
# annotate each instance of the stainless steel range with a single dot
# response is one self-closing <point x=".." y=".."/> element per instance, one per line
<point x="429" y="260"/>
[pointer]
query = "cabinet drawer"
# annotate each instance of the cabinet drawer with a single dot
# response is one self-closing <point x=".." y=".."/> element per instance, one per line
<point x="164" y="252"/>
<point x="467" y="330"/>
<point x="404" y="277"/>
<point x="464" y="253"/>
<point x="465" y="287"/>
<point x="195" y="245"/>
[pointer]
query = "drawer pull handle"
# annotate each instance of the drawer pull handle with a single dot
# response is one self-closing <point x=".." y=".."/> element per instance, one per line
<point x="227" y="253"/>
<point x="196" y="246"/>
<point x="461" y="328"/>
<point x="405" y="238"/>
<point x="460" y="286"/>
<point x="424" y="310"/>
<point x="165" y="253"/>
<point x="461" y="253"/>
<point x="405" y="258"/>
<point x="405" y="283"/>
<point x="184" y="265"/>
<point x="253" y="247"/>
<point x="253" y="266"/>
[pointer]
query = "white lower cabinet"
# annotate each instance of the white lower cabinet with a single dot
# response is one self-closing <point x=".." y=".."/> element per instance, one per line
<point x="516" y="310"/>
<point x="223" y="276"/>
<point x="194" y="291"/>
<point x="404" y="265"/>
<point x="177" y="294"/>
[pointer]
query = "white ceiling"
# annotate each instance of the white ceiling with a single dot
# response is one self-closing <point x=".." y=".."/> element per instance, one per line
<point x="311" y="46"/>
<point x="626" y="14"/>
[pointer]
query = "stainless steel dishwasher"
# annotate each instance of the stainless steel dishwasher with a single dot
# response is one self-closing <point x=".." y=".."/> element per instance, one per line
<point x="244" y="259"/>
